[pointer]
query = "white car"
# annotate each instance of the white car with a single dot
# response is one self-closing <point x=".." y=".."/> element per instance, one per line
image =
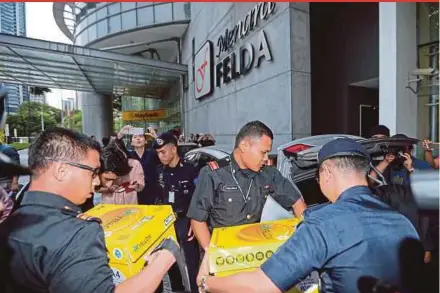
<point x="297" y="160"/>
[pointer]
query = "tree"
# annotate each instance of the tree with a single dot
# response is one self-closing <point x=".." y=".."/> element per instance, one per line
<point x="39" y="91"/>
<point x="74" y="121"/>
<point x="27" y="121"/>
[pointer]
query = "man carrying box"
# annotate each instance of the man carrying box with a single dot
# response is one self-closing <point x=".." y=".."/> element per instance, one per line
<point x="233" y="191"/>
<point x="352" y="236"/>
<point x="48" y="244"/>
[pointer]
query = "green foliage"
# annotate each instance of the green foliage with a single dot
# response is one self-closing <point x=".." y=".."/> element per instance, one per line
<point x="39" y="91"/>
<point x="27" y="121"/>
<point x="74" y="122"/>
<point x="20" y="145"/>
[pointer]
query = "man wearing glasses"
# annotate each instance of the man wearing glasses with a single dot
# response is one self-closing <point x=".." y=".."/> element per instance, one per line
<point x="50" y="248"/>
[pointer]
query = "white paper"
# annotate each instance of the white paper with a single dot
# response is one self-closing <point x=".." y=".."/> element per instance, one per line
<point x="171" y="196"/>
<point x="273" y="211"/>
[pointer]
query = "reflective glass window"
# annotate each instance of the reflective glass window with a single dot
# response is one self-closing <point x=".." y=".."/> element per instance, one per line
<point x="114" y="24"/>
<point x="102" y="28"/>
<point x="129" y="19"/>
<point x="163" y="12"/>
<point x="114" y="8"/>
<point x="145" y="16"/>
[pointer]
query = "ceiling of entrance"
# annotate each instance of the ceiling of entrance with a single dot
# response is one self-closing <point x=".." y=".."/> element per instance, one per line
<point x="56" y="65"/>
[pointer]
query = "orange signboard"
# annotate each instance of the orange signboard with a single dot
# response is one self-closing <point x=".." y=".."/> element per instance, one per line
<point x="143" y="115"/>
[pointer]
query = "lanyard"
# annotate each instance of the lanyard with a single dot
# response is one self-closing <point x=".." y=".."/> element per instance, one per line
<point x="245" y="197"/>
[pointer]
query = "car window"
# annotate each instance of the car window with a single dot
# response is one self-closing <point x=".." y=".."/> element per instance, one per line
<point x="311" y="192"/>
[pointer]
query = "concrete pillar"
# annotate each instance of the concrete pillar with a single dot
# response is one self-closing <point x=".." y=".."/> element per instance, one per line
<point x="97" y="114"/>
<point x="397" y="59"/>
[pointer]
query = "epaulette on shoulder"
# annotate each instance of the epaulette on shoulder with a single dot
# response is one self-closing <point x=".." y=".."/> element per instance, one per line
<point x="214" y="165"/>
<point x="68" y="211"/>
<point x="88" y="218"/>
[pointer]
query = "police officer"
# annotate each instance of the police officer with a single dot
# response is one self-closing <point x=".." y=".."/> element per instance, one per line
<point x="233" y="191"/>
<point x="352" y="236"/>
<point x="50" y="245"/>
<point x="176" y="180"/>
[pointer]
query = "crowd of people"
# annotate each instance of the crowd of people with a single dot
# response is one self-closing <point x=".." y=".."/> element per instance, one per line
<point x="48" y="246"/>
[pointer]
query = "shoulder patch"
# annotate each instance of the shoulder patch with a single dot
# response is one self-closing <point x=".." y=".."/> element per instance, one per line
<point x="68" y="211"/>
<point x="213" y="165"/>
<point x="88" y="218"/>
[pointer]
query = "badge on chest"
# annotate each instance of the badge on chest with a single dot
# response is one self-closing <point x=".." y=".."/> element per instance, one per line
<point x="230" y="188"/>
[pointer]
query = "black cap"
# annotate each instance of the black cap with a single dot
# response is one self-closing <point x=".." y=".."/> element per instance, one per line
<point x="342" y="147"/>
<point x="164" y="139"/>
<point x="380" y="130"/>
<point x="8" y="168"/>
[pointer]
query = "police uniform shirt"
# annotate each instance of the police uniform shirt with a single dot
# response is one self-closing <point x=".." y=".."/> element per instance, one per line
<point x="51" y="249"/>
<point x="356" y="236"/>
<point x="219" y="201"/>
<point x="177" y="185"/>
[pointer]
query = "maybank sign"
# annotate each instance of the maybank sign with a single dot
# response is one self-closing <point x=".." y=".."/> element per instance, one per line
<point x="149" y="115"/>
<point x="233" y="62"/>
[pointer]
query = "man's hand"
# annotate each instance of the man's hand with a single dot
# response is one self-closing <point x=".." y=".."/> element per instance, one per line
<point x="427" y="145"/>
<point x="161" y="255"/>
<point x="408" y="163"/>
<point x="204" y="269"/>
<point x="190" y="234"/>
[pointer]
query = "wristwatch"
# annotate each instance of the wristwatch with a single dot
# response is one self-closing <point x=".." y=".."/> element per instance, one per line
<point x="203" y="287"/>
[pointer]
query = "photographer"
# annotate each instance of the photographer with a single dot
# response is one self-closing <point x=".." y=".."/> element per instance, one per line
<point x="397" y="167"/>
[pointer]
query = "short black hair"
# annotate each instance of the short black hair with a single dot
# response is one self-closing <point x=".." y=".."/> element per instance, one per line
<point x="105" y="141"/>
<point x="114" y="160"/>
<point x="59" y="144"/>
<point x="254" y="129"/>
<point x="380" y="129"/>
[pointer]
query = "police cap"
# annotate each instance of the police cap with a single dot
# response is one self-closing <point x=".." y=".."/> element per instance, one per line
<point x="164" y="139"/>
<point x="342" y="147"/>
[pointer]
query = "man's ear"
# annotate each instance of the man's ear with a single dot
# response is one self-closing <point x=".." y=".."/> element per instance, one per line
<point x="60" y="171"/>
<point x="244" y="145"/>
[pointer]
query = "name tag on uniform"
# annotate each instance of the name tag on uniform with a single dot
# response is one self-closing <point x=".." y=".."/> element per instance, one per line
<point x="230" y="188"/>
<point x="171" y="196"/>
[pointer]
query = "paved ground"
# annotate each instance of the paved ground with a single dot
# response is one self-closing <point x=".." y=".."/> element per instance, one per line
<point x="25" y="179"/>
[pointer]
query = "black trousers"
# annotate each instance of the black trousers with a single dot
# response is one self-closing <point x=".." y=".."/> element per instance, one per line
<point x="192" y="256"/>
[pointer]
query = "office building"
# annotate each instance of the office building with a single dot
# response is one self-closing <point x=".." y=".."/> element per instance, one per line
<point x="13" y="22"/>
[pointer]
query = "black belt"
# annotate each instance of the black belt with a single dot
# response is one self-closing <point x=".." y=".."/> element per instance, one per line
<point x="180" y="214"/>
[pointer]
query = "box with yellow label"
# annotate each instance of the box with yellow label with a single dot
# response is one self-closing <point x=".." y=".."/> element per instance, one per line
<point x="245" y="248"/>
<point x="132" y="231"/>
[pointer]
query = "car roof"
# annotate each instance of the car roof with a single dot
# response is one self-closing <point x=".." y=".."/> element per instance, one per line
<point x="214" y="151"/>
<point x="303" y="164"/>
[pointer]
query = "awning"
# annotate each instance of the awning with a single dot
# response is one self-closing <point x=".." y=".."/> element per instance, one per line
<point x="55" y="65"/>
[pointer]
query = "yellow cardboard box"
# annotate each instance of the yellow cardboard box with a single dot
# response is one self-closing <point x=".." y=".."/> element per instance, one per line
<point x="247" y="247"/>
<point x="132" y="231"/>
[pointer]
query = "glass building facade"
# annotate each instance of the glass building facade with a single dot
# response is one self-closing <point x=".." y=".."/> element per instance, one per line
<point x="428" y="57"/>
<point x="13" y="22"/>
<point x="96" y="23"/>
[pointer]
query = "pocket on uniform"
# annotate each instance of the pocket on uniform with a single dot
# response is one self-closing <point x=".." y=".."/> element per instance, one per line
<point x="229" y="201"/>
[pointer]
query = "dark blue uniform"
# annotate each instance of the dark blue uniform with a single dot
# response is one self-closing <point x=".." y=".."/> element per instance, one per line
<point x="51" y="248"/>
<point x="357" y="236"/>
<point x="177" y="187"/>
<point x="228" y="196"/>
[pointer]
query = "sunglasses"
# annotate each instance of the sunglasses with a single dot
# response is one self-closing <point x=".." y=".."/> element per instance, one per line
<point x="95" y="171"/>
